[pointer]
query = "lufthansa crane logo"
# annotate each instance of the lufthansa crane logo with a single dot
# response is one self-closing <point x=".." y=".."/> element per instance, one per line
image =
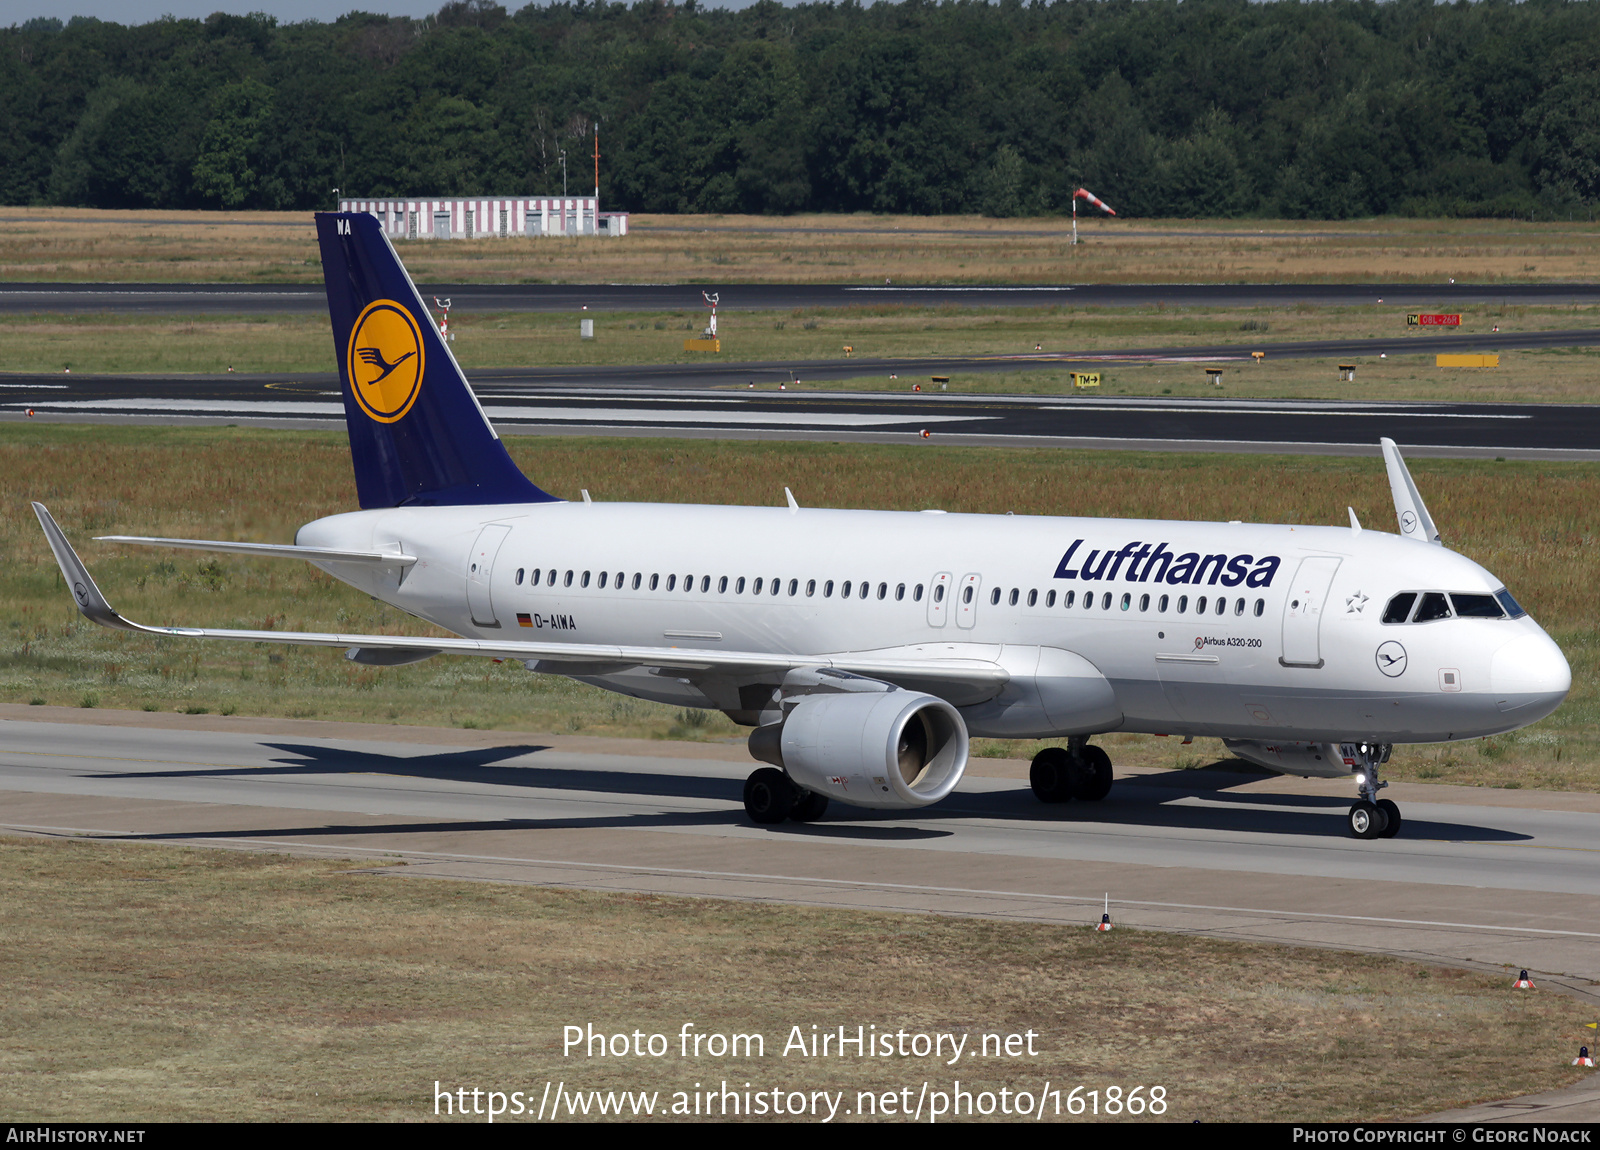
<point x="384" y="361"/>
<point x="1391" y="659"/>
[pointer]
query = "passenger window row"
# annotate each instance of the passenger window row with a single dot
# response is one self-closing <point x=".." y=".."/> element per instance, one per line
<point x="761" y="585"/>
<point x="1428" y="606"/>
<point x="865" y="590"/>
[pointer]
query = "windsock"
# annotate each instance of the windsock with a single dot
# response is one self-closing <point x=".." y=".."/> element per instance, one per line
<point x="1085" y="194"/>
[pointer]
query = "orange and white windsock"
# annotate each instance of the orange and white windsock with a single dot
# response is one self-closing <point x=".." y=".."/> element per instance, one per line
<point x="1085" y="194"/>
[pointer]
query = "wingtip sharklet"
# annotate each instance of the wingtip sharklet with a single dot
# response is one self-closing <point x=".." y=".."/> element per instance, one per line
<point x="1410" y="511"/>
<point x="85" y="594"/>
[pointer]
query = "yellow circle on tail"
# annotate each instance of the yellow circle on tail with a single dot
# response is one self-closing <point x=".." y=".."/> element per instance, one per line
<point x="384" y="360"/>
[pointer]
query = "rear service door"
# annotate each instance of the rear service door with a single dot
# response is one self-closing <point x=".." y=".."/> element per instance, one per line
<point x="480" y="569"/>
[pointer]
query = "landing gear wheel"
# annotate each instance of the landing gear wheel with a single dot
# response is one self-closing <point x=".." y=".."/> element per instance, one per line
<point x="809" y="807"/>
<point x="1090" y="779"/>
<point x="768" y="795"/>
<point x="1050" y="775"/>
<point x="1367" y="820"/>
<point x="1392" y="813"/>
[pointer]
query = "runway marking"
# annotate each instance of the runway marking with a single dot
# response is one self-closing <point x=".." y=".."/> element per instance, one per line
<point x="1385" y="414"/>
<point x="1090" y="900"/>
<point x="528" y="414"/>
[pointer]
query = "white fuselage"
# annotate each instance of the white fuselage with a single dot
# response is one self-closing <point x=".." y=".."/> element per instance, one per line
<point x="1268" y="633"/>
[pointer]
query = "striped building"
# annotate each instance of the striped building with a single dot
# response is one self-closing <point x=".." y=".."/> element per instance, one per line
<point x="499" y="216"/>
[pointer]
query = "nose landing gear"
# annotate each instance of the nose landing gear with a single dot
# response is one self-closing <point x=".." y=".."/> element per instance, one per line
<point x="1370" y="816"/>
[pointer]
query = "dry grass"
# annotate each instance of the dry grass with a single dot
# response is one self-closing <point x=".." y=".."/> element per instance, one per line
<point x="63" y="244"/>
<point x="147" y="983"/>
<point x="163" y="345"/>
<point x="1534" y="524"/>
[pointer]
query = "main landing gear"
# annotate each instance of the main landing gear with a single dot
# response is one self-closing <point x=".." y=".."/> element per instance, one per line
<point x="770" y="797"/>
<point x="1370" y="816"/>
<point x="1076" y="771"/>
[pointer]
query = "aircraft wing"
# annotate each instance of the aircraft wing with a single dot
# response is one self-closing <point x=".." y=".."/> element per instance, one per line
<point x="971" y="679"/>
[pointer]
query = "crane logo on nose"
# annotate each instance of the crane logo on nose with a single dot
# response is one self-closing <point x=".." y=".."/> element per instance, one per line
<point x="1392" y="659"/>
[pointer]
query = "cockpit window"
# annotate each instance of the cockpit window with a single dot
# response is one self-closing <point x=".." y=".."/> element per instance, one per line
<point x="1476" y="606"/>
<point x="1433" y="607"/>
<point x="1399" y="609"/>
<point x="1513" y="608"/>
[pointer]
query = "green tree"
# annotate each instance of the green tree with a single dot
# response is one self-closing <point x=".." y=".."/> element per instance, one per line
<point x="225" y="172"/>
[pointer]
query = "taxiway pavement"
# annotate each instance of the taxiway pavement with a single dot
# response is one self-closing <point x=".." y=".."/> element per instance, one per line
<point x="1481" y="878"/>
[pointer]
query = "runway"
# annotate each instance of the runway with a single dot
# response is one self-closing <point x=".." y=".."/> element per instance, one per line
<point x="258" y="299"/>
<point x="1478" y="878"/>
<point x="519" y="405"/>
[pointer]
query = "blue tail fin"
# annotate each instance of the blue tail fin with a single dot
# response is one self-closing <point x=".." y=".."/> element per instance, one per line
<point x="417" y="434"/>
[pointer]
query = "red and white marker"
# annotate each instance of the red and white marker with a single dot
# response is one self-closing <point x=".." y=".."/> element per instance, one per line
<point x="1105" y="917"/>
<point x="925" y="434"/>
<point x="1523" y="982"/>
<point x="1583" y="1058"/>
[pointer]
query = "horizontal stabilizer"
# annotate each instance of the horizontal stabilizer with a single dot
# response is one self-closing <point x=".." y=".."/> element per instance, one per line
<point x="268" y="550"/>
<point x="1409" y="510"/>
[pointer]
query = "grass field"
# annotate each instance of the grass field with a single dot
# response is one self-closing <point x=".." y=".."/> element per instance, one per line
<point x="1533" y="524"/>
<point x="149" y="983"/>
<point x="210" y="345"/>
<point x="64" y="244"/>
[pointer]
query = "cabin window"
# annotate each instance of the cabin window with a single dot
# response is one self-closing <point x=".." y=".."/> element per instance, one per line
<point x="1127" y="600"/>
<point x="585" y="581"/>
<point x="844" y="592"/>
<point x="617" y="583"/>
<point x="1261" y="605"/>
<point x="1476" y="606"/>
<point x="774" y="584"/>
<point x="1433" y="606"/>
<point x="866" y="587"/>
<point x="1012" y="600"/>
<point x="1399" y="608"/>
<point x="794" y="587"/>
<point x="938" y="593"/>
<point x="722" y="585"/>
<point x="520" y="570"/>
<point x="738" y="587"/>
<point x="900" y="592"/>
<point x="552" y="580"/>
<point x="966" y="594"/>
<point x="1033" y="597"/>
<point x="1049" y="598"/>
<point x="655" y="581"/>
<point x="1144" y="602"/>
<point x="705" y="584"/>
<point x="567" y="582"/>
<point x="672" y="582"/>
<point x="994" y="596"/>
<point x="1222" y="604"/>
<point x="1066" y="600"/>
<point x="811" y="588"/>
<point x="755" y="588"/>
<point x="916" y="594"/>
<point x="603" y="580"/>
<point x="1105" y="602"/>
<point x="1238" y="607"/>
<point x="1183" y="604"/>
<point x="1161" y="604"/>
<point x="1088" y="600"/>
<point x="1200" y="605"/>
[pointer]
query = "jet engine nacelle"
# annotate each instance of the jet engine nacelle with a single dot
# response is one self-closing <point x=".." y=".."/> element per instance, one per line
<point x="891" y="750"/>
<point x="1052" y="694"/>
<point x="1308" y="760"/>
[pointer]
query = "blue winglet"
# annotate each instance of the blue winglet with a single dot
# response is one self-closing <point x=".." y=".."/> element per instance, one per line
<point x="418" y="436"/>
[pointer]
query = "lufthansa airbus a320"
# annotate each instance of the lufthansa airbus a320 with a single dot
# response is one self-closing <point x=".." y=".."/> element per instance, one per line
<point x="865" y="647"/>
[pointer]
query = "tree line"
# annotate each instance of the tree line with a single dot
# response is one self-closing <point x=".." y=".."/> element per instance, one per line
<point x="1324" y="110"/>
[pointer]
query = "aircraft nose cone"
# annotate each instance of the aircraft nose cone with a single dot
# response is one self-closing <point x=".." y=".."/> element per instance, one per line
<point x="1531" y="673"/>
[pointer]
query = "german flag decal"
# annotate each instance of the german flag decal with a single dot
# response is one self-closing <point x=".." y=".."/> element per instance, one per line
<point x="524" y="619"/>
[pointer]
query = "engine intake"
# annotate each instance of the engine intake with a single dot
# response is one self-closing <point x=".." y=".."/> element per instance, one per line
<point x="891" y="750"/>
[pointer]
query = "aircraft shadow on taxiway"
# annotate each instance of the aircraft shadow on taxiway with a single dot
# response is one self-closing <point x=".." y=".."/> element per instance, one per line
<point x="1141" y="801"/>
